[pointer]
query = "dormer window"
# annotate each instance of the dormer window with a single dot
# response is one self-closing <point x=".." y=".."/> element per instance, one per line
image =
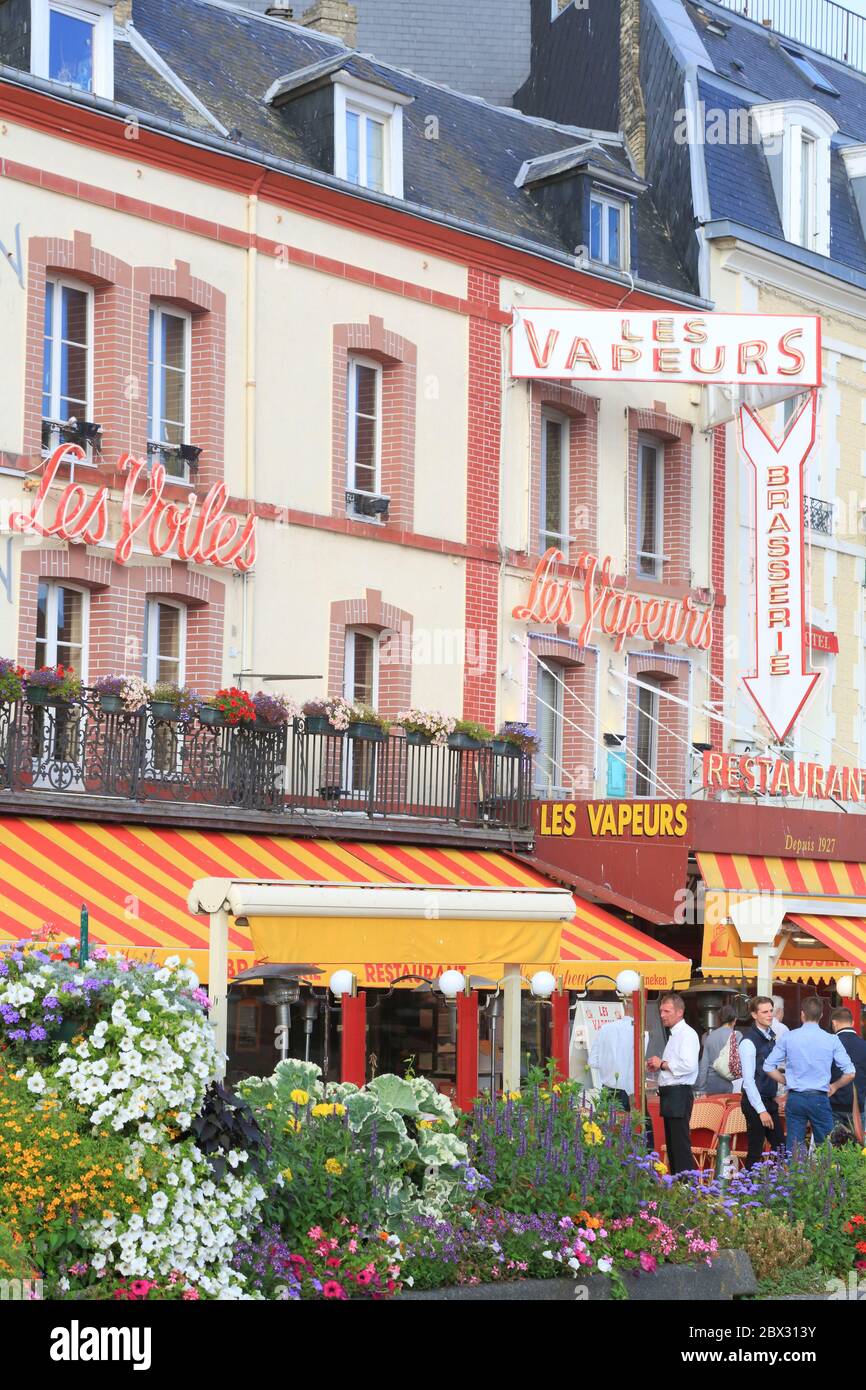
<point x="368" y="135"/>
<point x="72" y="43"/>
<point x="796" y="138"/>
<point x="608" y="230"/>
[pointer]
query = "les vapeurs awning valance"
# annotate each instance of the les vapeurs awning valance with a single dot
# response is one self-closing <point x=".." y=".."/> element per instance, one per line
<point x="135" y="879"/>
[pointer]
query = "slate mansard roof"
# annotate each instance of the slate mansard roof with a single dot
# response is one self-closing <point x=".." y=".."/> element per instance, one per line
<point x="749" y="64"/>
<point x="207" y="65"/>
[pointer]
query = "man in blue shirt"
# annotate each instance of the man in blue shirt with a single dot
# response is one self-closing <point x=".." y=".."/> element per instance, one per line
<point x="808" y="1054"/>
<point x="842" y="1097"/>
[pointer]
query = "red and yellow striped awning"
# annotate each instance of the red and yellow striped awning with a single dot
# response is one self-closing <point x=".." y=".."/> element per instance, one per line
<point x="729" y="877"/>
<point x="135" y="879"/>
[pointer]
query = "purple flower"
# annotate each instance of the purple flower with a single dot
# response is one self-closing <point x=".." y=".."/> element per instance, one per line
<point x="50" y="1002"/>
<point x="9" y="1014"/>
<point x="37" y="1034"/>
<point x="18" y="1035"/>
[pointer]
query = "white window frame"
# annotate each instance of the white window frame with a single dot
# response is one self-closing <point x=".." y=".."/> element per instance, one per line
<point x="61" y="283"/>
<point x="100" y="15"/>
<point x="607" y="201"/>
<point x="154" y="406"/>
<point x="646" y="770"/>
<point x="349" y="662"/>
<point x="547" y="538"/>
<point x="551" y="777"/>
<point x="54" y="586"/>
<point x="150" y="650"/>
<point x="355" y="361"/>
<point x="365" y="99"/>
<point x="657" y="555"/>
<point x="782" y="126"/>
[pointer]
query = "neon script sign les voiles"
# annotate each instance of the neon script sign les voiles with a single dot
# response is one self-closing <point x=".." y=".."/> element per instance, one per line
<point x="208" y="537"/>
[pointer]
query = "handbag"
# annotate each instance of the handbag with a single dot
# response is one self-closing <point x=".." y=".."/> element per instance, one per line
<point x="728" y="1064"/>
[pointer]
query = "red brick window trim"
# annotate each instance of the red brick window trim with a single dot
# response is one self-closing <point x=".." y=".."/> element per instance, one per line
<point x="671" y="439"/>
<point x="563" y="677"/>
<point x="393" y="626"/>
<point x="665" y="722"/>
<point x="396" y="360"/>
<point x="118" y="595"/>
<point x="562" y="402"/>
<point x="121" y="298"/>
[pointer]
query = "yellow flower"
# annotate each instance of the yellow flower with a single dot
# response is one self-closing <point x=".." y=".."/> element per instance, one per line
<point x="663" y="1167"/>
<point x="591" y="1133"/>
<point x="425" y="1124"/>
<point x="286" y="1175"/>
<point x="513" y="1095"/>
<point x="339" y="1109"/>
<point x="333" y="1165"/>
<point x="556" y="1088"/>
<point x="299" y="1097"/>
<point x="321" y="1111"/>
<point x="292" y="1125"/>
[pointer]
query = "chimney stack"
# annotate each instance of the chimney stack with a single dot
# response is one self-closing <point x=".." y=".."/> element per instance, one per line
<point x="335" y="17"/>
<point x="632" y="111"/>
<point x="122" y="13"/>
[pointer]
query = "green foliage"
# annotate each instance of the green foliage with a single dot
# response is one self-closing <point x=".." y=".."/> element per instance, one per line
<point x="473" y="730"/>
<point x="808" y="1280"/>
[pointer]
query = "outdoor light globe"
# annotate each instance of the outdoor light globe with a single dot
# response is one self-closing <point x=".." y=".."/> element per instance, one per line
<point x="845" y="986"/>
<point x="628" y="982"/>
<point x="542" y="984"/>
<point x="452" y="983"/>
<point x="341" y="982"/>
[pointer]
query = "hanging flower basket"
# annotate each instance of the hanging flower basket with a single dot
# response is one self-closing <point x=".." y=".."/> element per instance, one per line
<point x="212" y="717"/>
<point x="418" y="740"/>
<point x="463" y="741"/>
<point x="505" y="749"/>
<point x="38" y="695"/>
<point x="111" y="704"/>
<point x="368" y="733"/>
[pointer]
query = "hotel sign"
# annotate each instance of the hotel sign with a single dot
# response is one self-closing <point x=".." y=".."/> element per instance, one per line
<point x="205" y="537"/>
<point x="605" y="345"/>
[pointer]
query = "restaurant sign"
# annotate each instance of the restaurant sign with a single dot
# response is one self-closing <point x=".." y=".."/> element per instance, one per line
<point x="576" y="344"/>
<point x="604" y="602"/>
<point x="205" y="537"/>
<point x="752" y="775"/>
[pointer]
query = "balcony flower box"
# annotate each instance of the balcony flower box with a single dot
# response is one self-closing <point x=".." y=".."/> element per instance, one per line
<point x="367" y="725"/>
<point x="468" y="735"/>
<point x="52" y="685"/>
<point x="173" y="702"/>
<point x="212" y="717"/>
<point x="272" y="712"/>
<point x="11" y="680"/>
<point x="164" y="709"/>
<point x="327" y="716"/>
<point x="425" y="726"/>
<point x="516" y="738"/>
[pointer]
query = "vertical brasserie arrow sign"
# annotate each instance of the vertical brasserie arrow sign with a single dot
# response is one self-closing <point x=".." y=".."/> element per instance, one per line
<point x="783" y="681"/>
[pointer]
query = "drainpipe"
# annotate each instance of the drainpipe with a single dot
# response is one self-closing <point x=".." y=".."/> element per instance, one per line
<point x="251" y="291"/>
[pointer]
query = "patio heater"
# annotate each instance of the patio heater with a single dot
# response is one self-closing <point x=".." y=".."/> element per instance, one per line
<point x="283" y="990"/>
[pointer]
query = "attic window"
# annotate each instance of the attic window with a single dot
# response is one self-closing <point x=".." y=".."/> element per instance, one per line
<point x="815" y="78"/>
<point x="72" y="43"/>
<point x="796" y="137"/>
<point x="608" y="230"/>
<point x="368" y="135"/>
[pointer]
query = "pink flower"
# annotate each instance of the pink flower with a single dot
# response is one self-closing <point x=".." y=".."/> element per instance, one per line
<point x="334" y="1290"/>
<point x="190" y="1294"/>
<point x="315" y="1233"/>
<point x="352" y="1246"/>
<point x="648" y="1263"/>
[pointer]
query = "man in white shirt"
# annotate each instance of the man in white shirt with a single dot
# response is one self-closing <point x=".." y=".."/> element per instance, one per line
<point x="779" y="1027"/>
<point x="678" y="1072"/>
<point x="612" y="1056"/>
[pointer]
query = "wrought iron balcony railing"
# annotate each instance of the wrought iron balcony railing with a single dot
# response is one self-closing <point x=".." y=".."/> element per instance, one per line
<point x="818" y="515"/>
<point x="81" y="748"/>
<point x="822" y="25"/>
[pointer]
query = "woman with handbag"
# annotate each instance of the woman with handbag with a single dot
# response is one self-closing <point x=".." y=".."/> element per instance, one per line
<point x="720" y="1067"/>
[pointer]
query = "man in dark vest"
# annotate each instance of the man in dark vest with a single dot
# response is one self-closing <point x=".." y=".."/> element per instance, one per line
<point x="842" y="1097"/>
<point x="760" y="1109"/>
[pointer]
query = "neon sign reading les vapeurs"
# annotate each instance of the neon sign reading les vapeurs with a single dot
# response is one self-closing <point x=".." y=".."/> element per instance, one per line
<point x="206" y="537"/>
<point x="617" y="611"/>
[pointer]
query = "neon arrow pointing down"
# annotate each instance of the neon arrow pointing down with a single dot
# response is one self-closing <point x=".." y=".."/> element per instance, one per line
<point x="783" y="681"/>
